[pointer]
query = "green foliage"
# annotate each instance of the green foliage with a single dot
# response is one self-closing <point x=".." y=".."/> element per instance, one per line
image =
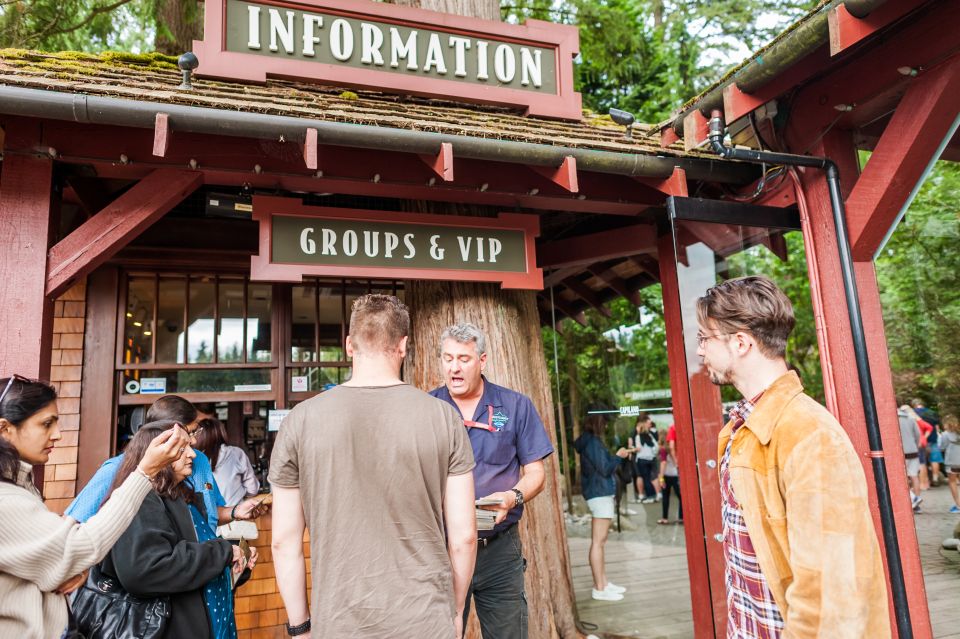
<point x="77" y="25"/>
<point x="919" y="277"/>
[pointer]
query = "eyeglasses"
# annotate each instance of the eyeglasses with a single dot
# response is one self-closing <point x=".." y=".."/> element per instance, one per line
<point x="14" y="377"/>
<point x="701" y="338"/>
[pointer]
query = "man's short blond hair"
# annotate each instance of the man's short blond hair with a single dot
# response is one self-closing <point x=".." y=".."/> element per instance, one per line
<point x="753" y="305"/>
<point x="378" y="323"/>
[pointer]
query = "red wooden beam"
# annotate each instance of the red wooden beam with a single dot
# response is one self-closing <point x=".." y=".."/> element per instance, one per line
<point x="921" y="43"/>
<point x="668" y="137"/>
<point x="587" y="294"/>
<point x="648" y="264"/>
<point x="100" y="237"/>
<point x="442" y="162"/>
<point x="596" y="247"/>
<point x="847" y="30"/>
<point x="676" y="184"/>
<point x="557" y="275"/>
<point x="26" y="314"/>
<point x="695" y="130"/>
<point x="615" y="282"/>
<point x="161" y="135"/>
<point x="927" y="114"/>
<point x="310" y="149"/>
<point x="564" y="176"/>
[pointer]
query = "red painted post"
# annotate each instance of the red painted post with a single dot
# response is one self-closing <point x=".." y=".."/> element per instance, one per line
<point x="26" y="315"/>
<point x="839" y="366"/>
<point x="698" y="482"/>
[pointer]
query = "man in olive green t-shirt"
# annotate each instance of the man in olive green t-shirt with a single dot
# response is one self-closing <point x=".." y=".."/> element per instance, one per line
<point x="380" y="472"/>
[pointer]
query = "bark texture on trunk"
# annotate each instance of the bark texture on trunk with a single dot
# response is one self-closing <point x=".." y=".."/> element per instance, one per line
<point x="516" y="360"/>
<point x="179" y="23"/>
<point x="486" y="9"/>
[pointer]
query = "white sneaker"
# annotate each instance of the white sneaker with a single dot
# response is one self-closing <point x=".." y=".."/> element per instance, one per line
<point x="627" y="511"/>
<point x="612" y="587"/>
<point x="604" y="595"/>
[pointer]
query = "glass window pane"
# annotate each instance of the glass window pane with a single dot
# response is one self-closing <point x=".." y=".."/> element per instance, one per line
<point x="196" y="380"/>
<point x="200" y="333"/>
<point x="170" y="320"/>
<point x="314" y="379"/>
<point x="138" y="324"/>
<point x="259" y="344"/>
<point x="331" y="320"/>
<point x="230" y="335"/>
<point x="352" y="291"/>
<point x="303" y="336"/>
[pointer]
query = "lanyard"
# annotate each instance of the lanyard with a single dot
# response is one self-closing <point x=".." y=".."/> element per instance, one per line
<point x="469" y="423"/>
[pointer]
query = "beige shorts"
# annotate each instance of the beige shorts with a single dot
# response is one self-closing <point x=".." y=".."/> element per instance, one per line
<point x="601" y="507"/>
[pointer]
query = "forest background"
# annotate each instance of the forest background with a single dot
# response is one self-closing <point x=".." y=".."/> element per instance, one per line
<point x="646" y="57"/>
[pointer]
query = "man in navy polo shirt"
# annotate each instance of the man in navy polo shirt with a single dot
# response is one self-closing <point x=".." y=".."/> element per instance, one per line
<point x="509" y="444"/>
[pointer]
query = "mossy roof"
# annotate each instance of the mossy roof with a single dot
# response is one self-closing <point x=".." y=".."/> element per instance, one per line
<point x="155" y="78"/>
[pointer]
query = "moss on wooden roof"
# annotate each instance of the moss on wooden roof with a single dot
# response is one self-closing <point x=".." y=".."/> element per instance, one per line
<point x="155" y="77"/>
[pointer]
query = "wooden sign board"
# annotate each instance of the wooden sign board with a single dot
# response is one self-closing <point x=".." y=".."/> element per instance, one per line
<point x="370" y="45"/>
<point x="298" y="240"/>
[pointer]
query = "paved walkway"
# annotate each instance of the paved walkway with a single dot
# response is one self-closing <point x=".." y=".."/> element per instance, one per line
<point x="650" y="560"/>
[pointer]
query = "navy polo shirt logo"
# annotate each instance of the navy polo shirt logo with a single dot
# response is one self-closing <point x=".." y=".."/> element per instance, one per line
<point x="499" y="421"/>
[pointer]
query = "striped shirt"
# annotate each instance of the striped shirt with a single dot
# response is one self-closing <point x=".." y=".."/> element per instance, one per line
<point x="752" y="612"/>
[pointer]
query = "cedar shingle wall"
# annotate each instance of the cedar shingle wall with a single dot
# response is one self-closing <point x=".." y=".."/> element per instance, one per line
<point x="66" y="371"/>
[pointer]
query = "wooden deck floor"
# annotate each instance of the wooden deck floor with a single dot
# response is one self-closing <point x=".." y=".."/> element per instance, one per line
<point x="650" y="561"/>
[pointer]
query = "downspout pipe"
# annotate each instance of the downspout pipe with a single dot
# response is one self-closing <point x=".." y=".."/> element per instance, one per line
<point x="894" y="562"/>
<point x="77" y="107"/>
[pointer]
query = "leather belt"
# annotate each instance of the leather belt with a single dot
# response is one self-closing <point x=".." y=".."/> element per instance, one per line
<point x="483" y="542"/>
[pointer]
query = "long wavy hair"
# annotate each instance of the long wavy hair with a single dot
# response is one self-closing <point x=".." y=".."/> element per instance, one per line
<point x="212" y="435"/>
<point x="22" y="401"/>
<point x="165" y="483"/>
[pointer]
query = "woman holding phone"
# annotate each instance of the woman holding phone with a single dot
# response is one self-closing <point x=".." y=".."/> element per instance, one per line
<point x="167" y="553"/>
<point x="231" y="466"/>
<point x="43" y="556"/>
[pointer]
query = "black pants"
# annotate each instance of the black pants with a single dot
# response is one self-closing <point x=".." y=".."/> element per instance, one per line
<point x="497" y="588"/>
<point x="674" y="484"/>
<point x="645" y="469"/>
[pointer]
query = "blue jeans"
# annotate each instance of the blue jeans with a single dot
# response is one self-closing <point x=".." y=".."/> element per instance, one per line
<point x="497" y="588"/>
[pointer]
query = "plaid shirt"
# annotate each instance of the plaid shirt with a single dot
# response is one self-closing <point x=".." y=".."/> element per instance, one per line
<point x="752" y="612"/>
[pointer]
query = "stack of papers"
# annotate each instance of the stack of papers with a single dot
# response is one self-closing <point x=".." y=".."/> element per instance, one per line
<point x="486" y="519"/>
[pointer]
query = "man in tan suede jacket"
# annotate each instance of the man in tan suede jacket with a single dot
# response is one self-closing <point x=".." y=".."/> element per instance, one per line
<point x="802" y="556"/>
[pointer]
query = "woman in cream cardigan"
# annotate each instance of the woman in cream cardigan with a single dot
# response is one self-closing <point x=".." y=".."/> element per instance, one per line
<point x="43" y="556"/>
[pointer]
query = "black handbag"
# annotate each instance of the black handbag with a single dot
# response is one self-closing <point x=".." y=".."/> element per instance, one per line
<point x="103" y="610"/>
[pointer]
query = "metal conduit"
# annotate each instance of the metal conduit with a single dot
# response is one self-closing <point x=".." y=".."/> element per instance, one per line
<point x="189" y="119"/>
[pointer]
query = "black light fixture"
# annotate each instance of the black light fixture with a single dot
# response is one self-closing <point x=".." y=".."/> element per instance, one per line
<point x="187" y="63"/>
<point x="625" y="119"/>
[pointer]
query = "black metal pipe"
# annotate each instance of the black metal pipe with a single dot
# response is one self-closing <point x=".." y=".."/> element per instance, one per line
<point x="889" y="529"/>
<point x="77" y="107"/>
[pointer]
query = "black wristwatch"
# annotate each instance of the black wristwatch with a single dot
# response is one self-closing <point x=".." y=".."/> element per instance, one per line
<point x="303" y="628"/>
<point x="519" y="497"/>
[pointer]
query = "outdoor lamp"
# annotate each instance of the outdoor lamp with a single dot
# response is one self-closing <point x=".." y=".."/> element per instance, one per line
<point x="187" y="63"/>
<point x="624" y="118"/>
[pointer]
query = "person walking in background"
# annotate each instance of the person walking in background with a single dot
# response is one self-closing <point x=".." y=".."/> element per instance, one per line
<point x="44" y="556"/>
<point x="392" y="552"/>
<point x="802" y="555"/>
<point x="950" y="442"/>
<point x="232" y="469"/>
<point x="161" y="555"/>
<point x="910" y="437"/>
<point x="647" y="458"/>
<point x="598" y="486"/>
<point x="669" y="475"/>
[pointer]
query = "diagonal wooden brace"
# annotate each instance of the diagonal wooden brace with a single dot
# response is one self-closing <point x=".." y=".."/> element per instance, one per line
<point x="99" y="238"/>
<point x="564" y="176"/>
<point x="442" y="162"/>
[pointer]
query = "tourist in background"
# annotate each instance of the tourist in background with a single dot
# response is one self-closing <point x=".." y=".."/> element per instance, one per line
<point x="646" y="459"/>
<point x="910" y="438"/>
<point x="231" y="465"/>
<point x="44" y="556"/>
<point x="669" y="475"/>
<point x="599" y="486"/>
<point x="950" y="442"/>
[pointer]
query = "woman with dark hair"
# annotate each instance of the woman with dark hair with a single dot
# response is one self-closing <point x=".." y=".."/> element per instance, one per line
<point x="231" y="466"/>
<point x="599" y="486"/>
<point x="167" y="551"/>
<point x="42" y="555"/>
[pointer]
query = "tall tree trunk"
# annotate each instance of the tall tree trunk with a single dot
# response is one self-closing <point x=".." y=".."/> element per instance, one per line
<point x="486" y="9"/>
<point x="574" y="409"/>
<point x="516" y="360"/>
<point x="179" y="23"/>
